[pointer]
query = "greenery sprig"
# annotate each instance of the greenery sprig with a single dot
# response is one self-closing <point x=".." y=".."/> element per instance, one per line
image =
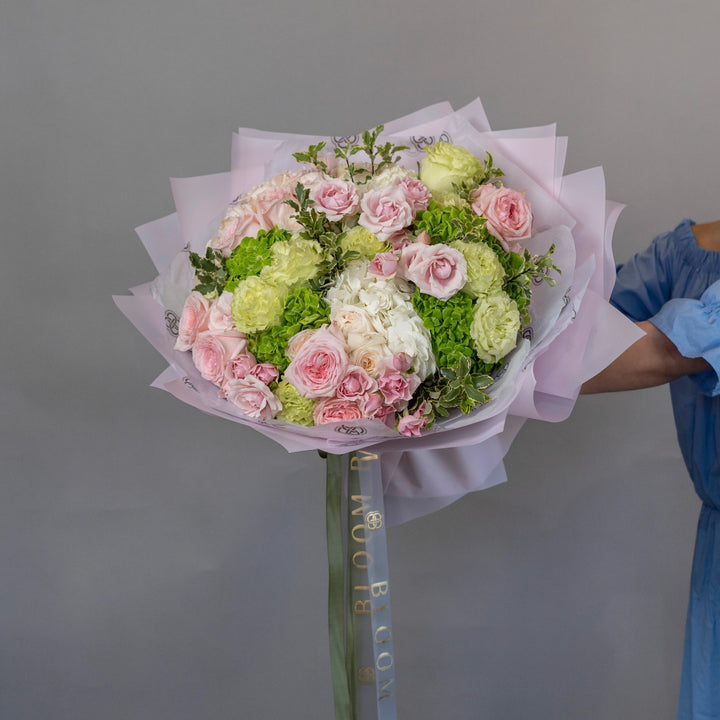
<point x="379" y="155"/>
<point x="328" y="234"/>
<point x="450" y="388"/>
<point x="521" y="270"/>
<point x="210" y="272"/>
<point x="311" y="156"/>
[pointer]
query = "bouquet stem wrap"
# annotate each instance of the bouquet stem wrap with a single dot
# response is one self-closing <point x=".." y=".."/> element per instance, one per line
<point x="359" y="612"/>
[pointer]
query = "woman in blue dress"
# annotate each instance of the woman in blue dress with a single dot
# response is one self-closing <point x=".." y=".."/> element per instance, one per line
<point x="672" y="290"/>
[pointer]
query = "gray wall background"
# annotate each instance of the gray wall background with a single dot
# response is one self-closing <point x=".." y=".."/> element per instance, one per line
<point x="156" y="563"/>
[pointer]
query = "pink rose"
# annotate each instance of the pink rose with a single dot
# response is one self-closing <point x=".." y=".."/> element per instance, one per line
<point x="438" y="270"/>
<point x="416" y="192"/>
<point x="356" y="383"/>
<point x="508" y="214"/>
<point x="398" y="389"/>
<point x="319" y="365"/>
<point x="376" y="408"/>
<point x="253" y="397"/>
<point x="193" y="320"/>
<point x="412" y="425"/>
<point x="241" y="222"/>
<point x="239" y="366"/>
<point x="337" y="410"/>
<point x="383" y="265"/>
<point x="264" y="372"/>
<point x="423" y="238"/>
<point x="336" y="198"/>
<point x="297" y="341"/>
<point x="402" y="362"/>
<point x="220" y="319"/>
<point x="211" y="353"/>
<point x="385" y="211"/>
<point x="399" y="239"/>
<point x="272" y="208"/>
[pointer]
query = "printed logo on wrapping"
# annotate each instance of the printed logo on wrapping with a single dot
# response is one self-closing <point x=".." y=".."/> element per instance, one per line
<point x="350" y="430"/>
<point x="188" y="383"/>
<point x="537" y="280"/>
<point x="567" y="300"/>
<point x="342" y="141"/>
<point x="172" y="323"/>
<point x="528" y="333"/>
<point x="500" y="372"/>
<point x="420" y="142"/>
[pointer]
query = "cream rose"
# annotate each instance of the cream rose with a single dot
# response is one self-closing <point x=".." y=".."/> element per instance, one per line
<point x="495" y="326"/>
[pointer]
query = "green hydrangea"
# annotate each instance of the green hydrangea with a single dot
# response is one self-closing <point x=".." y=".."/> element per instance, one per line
<point x="484" y="269"/>
<point x="295" y="407"/>
<point x="495" y="326"/>
<point x="293" y="262"/>
<point x="257" y="304"/>
<point x="446" y="224"/>
<point x="449" y="324"/>
<point x="450" y="199"/>
<point x="361" y="240"/>
<point x="303" y="310"/>
<point x="252" y="255"/>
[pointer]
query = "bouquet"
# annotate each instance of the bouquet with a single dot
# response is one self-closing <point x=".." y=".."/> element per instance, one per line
<point x="402" y="300"/>
<point x="355" y="288"/>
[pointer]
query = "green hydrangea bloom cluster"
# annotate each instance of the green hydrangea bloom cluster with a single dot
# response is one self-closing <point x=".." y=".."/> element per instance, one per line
<point x="303" y="310"/>
<point x="252" y="255"/>
<point x="449" y="223"/>
<point x="449" y="324"/>
<point x="295" y="407"/>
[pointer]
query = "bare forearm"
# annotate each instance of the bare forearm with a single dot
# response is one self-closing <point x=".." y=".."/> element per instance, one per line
<point x="652" y="360"/>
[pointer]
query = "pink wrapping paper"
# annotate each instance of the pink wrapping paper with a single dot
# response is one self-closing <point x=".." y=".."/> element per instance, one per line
<point x="574" y="334"/>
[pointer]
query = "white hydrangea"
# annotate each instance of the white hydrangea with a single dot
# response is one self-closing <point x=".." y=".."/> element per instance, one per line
<point x="385" y="307"/>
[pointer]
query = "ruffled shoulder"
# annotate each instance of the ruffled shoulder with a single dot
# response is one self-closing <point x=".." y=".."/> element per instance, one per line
<point x="693" y="326"/>
<point x="682" y="248"/>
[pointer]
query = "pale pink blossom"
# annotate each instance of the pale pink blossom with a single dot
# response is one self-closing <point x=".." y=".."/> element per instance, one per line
<point x="385" y="211"/>
<point x="398" y="240"/>
<point x="239" y="366"/>
<point x="402" y="362"/>
<point x="193" y="320"/>
<point x="376" y="408"/>
<point x="423" y="238"/>
<point x="335" y="198"/>
<point x="508" y="214"/>
<point x="398" y="389"/>
<point x="415" y="191"/>
<point x="297" y="341"/>
<point x="437" y="270"/>
<point x="273" y="210"/>
<point x="384" y="265"/>
<point x="337" y="410"/>
<point x="265" y="372"/>
<point x="356" y="384"/>
<point x="319" y="365"/>
<point x="253" y="397"/>
<point x="412" y="425"/>
<point x="211" y="353"/>
<point x="241" y="222"/>
<point x="220" y="319"/>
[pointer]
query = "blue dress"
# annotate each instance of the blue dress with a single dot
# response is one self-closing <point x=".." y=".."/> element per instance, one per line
<point x="676" y="285"/>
